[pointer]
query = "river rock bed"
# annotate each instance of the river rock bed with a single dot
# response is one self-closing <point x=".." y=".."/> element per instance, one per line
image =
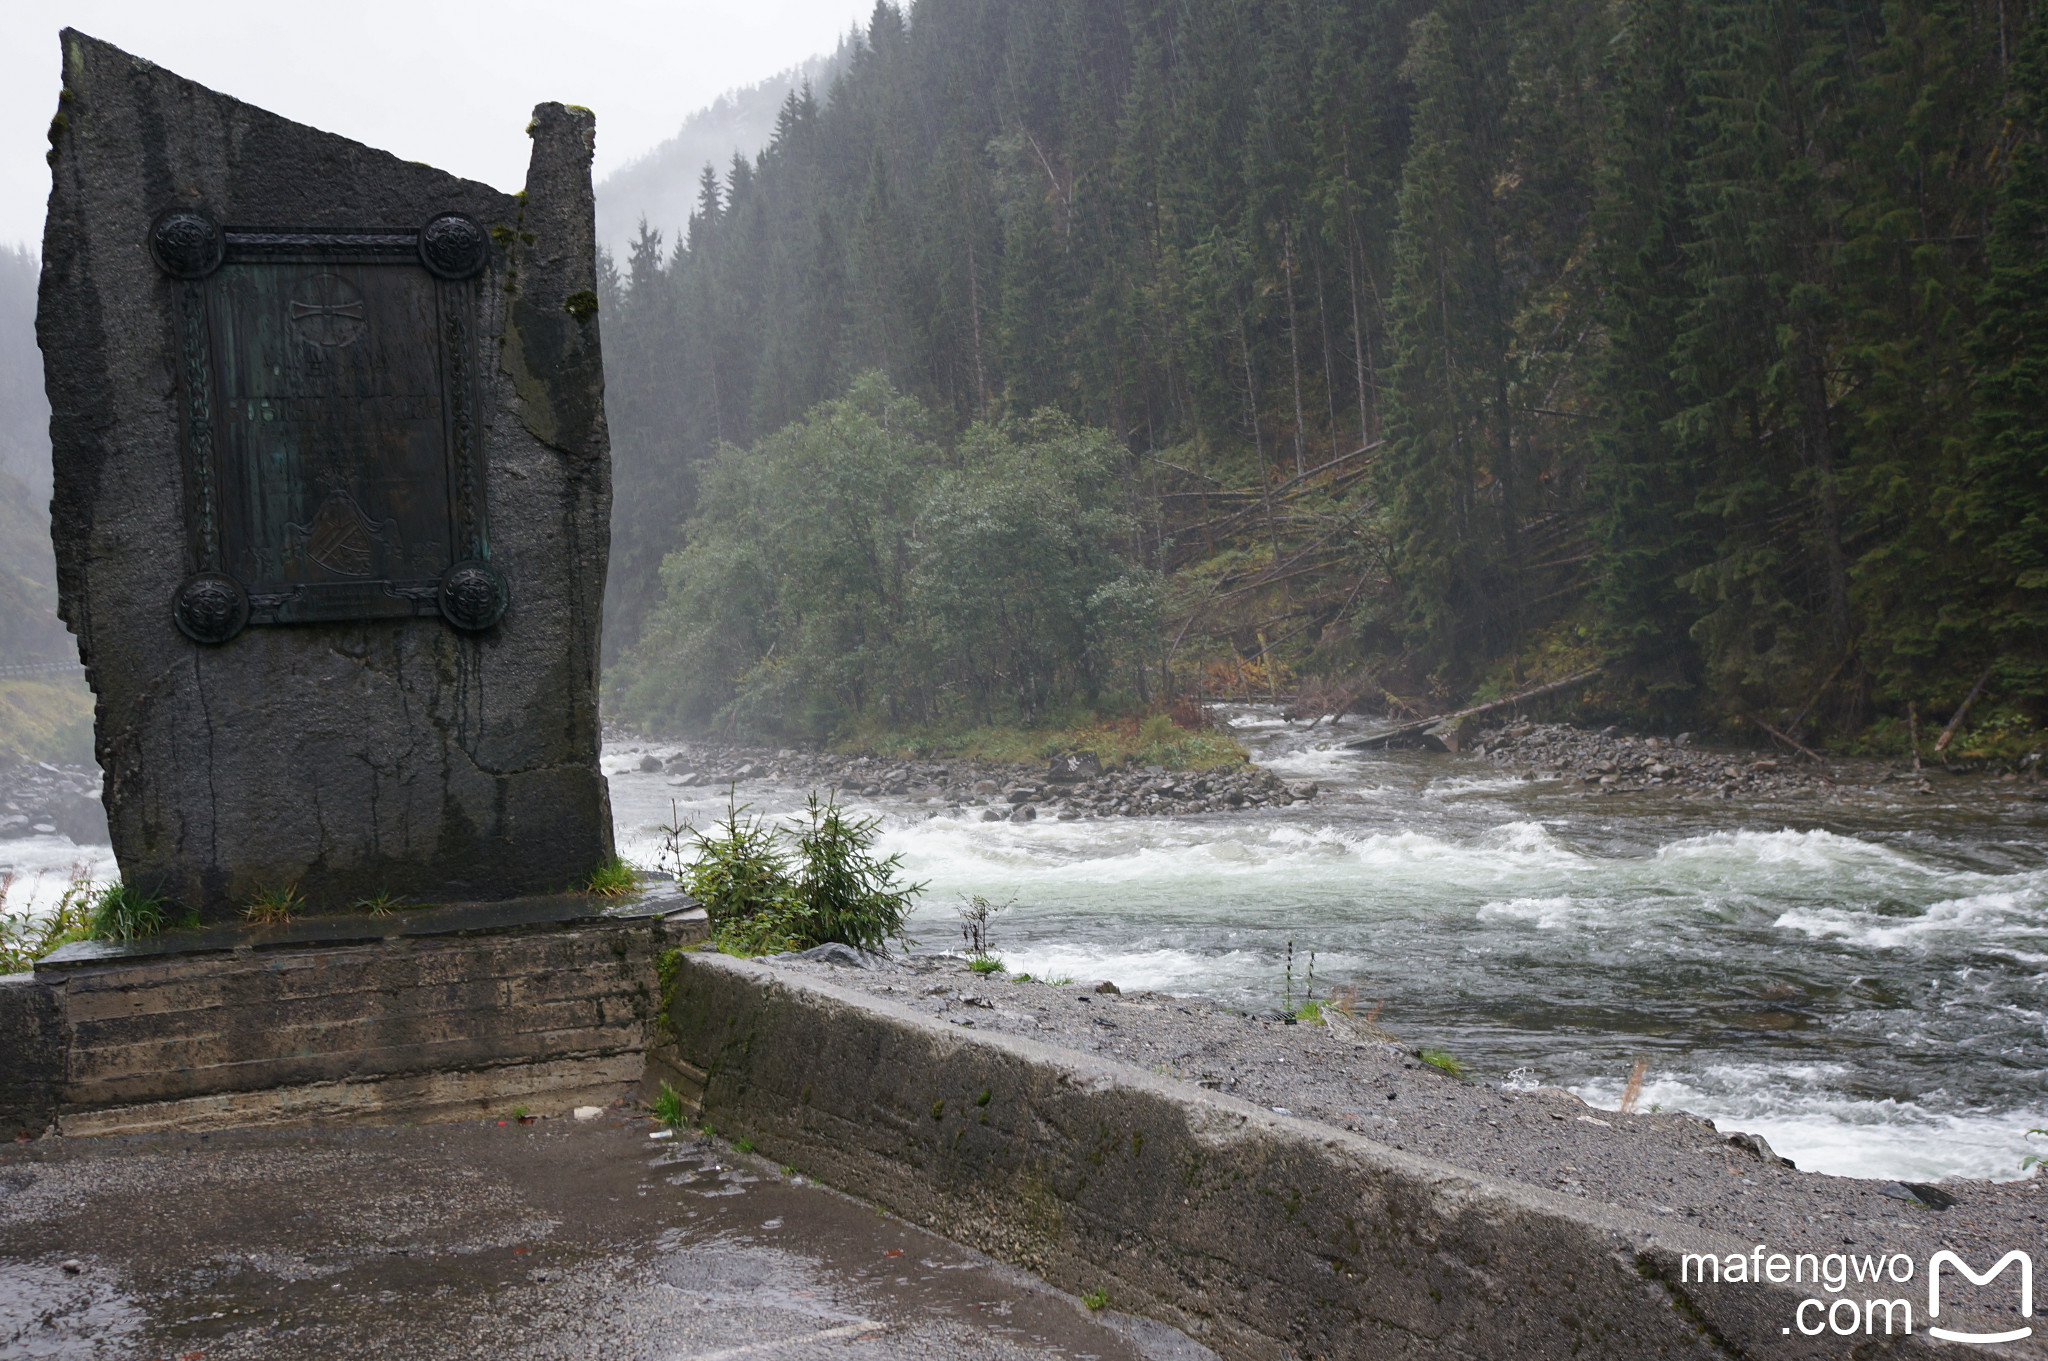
<point x="37" y="797"/>
<point x="1351" y="1074"/>
<point x="1066" y="788"/>
<point x="1612" y="762"/>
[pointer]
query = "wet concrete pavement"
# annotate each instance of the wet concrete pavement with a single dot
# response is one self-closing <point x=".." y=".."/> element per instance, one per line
<point x="552" y="1239"/>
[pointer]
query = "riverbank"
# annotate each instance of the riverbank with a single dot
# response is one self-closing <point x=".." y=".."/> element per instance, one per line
<point x="48" y="799"/>
<point x="1265" y="1230"/>
<point x="1065" y="788"/>
<point x="1351" y="1075"/>
<point x="1610" y="761"/>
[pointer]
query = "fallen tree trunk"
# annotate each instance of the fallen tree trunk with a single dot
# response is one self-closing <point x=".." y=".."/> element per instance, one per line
<point x="1948" y="733"/>
<point x="1804" y="750"/>
<point x="1412" y="730"/>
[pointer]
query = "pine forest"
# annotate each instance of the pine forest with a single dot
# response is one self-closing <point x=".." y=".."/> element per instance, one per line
<point x="1397" y="353"/>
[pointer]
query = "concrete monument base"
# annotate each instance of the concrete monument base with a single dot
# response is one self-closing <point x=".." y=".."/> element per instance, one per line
<point x="443" y="1013"/>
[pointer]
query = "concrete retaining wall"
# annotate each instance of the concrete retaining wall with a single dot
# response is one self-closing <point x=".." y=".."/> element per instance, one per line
<point x="1261" y="1235"/>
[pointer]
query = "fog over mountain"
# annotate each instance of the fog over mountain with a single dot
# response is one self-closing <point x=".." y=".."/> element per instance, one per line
<point x="662" y="185"/>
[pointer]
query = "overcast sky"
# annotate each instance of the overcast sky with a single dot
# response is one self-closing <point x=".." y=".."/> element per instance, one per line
<point x="446" y="83"/>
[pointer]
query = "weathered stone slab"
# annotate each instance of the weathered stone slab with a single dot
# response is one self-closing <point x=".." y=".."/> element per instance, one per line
<point x="332" y="497"/>
<point x="31" y="1055"/>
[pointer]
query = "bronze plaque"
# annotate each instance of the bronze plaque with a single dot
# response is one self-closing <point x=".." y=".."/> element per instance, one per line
<point x="333" y="456"/>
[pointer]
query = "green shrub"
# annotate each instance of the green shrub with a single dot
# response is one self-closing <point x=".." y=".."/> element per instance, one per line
<point x="762" y="900"/>
<point x="24" y="939"/>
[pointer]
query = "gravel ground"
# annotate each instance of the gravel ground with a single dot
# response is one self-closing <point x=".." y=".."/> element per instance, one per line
<point x="1352" y="1074"/>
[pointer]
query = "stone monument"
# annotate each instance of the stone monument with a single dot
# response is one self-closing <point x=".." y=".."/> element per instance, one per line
<point x="332" y="497"/>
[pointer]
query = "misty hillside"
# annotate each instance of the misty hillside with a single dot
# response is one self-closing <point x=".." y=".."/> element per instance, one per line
<point x="29" y="630"/>
<point x="662" y="185"/>
<point x="1451" y="345"/>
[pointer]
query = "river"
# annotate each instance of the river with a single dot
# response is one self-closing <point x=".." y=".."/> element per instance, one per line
<point x="1861" y="983"/>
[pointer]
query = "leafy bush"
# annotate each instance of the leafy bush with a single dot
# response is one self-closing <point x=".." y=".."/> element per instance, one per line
<point x="763" y="900"/>
<point x="25" y="938"/>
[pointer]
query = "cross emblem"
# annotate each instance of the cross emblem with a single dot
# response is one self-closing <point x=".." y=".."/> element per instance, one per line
<point x="327" y="309"/>
<point x="351" y="310"/>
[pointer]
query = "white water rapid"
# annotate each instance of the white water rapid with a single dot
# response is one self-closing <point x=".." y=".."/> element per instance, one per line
<point x="1861" y="983"/>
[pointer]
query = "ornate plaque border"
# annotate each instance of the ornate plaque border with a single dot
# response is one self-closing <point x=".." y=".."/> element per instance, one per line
<point x="211" y="605"/>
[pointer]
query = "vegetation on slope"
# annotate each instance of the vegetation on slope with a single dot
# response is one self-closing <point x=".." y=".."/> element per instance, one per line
<point x="1438" y="343"/>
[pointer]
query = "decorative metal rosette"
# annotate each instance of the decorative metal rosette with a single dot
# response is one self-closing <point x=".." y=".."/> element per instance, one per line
<point x="186" y="245"/>
<point x="473" y="595"/>
<point x="211" y="607"/>
<point x="454" y="246"/>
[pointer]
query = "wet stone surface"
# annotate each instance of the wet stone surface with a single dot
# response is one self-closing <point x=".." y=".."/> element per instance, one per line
<point x="552" y="1239"/>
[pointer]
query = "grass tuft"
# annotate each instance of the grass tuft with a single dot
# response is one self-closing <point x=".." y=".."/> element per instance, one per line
<point x="1126" y="742"/>
<point x="125" y="913"/>
<point x="985" y="964"/>
<point x="1096" y="1299"/>
<point x="1633" y="1092"/>
<point x="613" y="879"/>
<point x="274" y="906"/>
<point x="667" y="1109"/>
<point x="1444" y="1060"/>
<point x="383" y="904"/>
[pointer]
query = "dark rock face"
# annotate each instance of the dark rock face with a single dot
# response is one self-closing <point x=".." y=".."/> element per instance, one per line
<point x="435" y="736"/>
